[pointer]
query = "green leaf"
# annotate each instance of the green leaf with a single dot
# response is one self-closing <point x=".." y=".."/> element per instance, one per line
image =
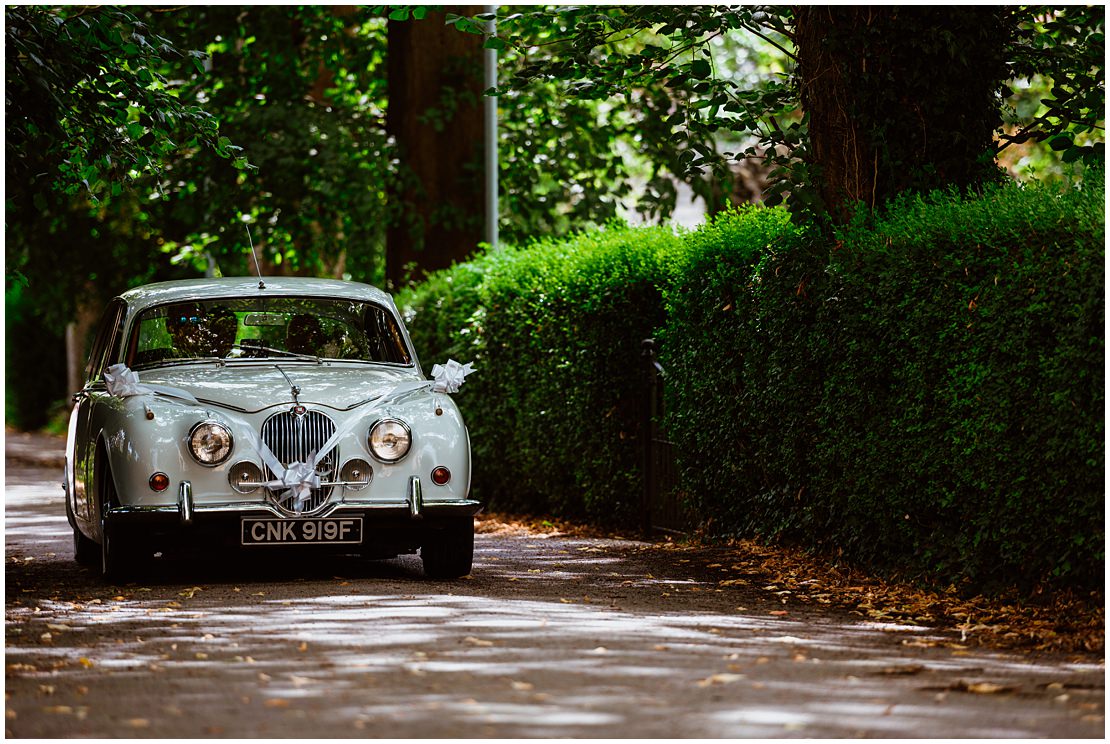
<point x="1062" y="142"/>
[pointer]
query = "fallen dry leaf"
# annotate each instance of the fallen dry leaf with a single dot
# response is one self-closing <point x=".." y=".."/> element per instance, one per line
<point x="477" y="641"/>
<point x="87" y="663"/>
<point x="522" y="686"/>
<point x="277" y="703"/>
<point x="988" y="688"/>
<point x="720" y="679"/>
<point x="138" y="722"/>
<point x="902" y="669"/>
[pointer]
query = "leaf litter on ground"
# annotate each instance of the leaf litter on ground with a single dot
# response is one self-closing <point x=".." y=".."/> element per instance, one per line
<point x="1044" y="620"/>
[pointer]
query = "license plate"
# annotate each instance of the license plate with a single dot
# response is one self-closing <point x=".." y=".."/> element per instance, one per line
<point x="335" y="531"/>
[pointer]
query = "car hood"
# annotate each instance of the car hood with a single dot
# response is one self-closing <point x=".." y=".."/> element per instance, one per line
<point x="255" y="387"/>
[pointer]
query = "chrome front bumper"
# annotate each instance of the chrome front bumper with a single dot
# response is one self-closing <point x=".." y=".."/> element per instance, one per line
<point x="414" y="508"/>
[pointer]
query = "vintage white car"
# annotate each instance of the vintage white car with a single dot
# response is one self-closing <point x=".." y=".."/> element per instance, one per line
<point x="260" y="414"/>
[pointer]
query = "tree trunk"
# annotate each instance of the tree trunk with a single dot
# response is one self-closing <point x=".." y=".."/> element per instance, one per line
<point x="899" y="98"/>
<point x="435" y="116"/>
<point x="77" y="343"/>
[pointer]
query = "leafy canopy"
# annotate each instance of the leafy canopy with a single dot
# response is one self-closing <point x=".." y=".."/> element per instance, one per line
<point x="664" y="67"/>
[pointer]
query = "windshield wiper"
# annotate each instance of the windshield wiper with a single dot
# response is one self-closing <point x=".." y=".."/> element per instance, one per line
<point x="170" y="361"/>
<point x="272" y="350"/>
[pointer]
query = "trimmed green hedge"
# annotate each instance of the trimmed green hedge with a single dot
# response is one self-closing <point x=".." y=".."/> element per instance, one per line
<point x="925" y="396"/>
<point x="927" y="399"/>
<point x="554" y="331"/>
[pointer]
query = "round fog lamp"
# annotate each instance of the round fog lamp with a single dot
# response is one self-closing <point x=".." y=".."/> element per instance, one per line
<point x="159" y="482"/>
<point x="244" y="477"/>
<point x="356" y="473"/>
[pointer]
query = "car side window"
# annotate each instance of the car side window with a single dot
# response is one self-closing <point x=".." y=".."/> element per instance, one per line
<point x="107" y="338"/>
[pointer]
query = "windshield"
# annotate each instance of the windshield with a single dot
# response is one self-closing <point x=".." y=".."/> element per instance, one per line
<point x="285" y="328"/>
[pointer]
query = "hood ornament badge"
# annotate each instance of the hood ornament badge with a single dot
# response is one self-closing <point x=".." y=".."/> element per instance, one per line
<point x="293" y="389"/>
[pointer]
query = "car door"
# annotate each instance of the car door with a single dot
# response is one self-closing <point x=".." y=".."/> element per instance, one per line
<point x="80" y="451"/>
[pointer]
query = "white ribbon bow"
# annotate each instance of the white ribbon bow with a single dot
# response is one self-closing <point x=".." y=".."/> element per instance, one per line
<point x="298" y="479"/>
<point x="449" y="377"/>
<point x="123" y="382"/>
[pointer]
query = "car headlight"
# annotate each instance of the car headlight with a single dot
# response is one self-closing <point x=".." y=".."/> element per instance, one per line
<point x="210" y="443"/>
<point x="389" y="440"/>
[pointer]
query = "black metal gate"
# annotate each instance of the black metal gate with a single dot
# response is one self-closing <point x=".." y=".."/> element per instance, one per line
<point x="662" y="508"/>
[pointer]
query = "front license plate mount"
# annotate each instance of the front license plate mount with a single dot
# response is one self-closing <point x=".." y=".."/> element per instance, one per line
<point x="329" y="531"/>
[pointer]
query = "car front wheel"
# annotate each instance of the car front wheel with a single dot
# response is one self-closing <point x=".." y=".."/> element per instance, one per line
<point x="117" y="554"/>
<point x="449" y="553"/>
<point x="84" y="549"/>
<point x="116" y="561"/>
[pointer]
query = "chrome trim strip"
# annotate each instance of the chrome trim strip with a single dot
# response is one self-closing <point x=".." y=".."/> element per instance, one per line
<point x="254" y="485"/>
<point x="415" y="498"/>
<point x="185" y="502"/>
<point x="249" y="508"/>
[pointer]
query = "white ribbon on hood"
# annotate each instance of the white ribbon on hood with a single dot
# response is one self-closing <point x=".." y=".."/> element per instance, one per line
<point x="296" y="481"/>
<point x="449" y="377"/>
<point x="123" y="382"/>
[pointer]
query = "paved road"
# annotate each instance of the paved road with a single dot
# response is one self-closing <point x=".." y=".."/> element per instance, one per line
<point x="552" y="636"/>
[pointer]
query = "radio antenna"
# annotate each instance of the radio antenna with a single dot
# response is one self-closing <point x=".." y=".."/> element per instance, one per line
<point x="261" y="284"/>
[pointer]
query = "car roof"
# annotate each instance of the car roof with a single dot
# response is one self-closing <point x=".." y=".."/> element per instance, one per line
<point x="158" y="293"/>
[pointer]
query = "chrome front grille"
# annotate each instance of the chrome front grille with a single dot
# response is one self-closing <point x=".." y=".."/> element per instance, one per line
<point x="294" y="438"/>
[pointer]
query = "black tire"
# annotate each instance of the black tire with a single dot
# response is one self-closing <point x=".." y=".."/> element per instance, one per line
<point x="116" y="562"/>
<point x="85" y="551"/>
<point x="449" y="553"/>
<point x="117" y="558"/>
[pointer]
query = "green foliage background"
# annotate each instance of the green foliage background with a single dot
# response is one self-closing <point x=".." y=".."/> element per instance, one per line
<point x="926" y="397"/>
<point x="554" y="331"/>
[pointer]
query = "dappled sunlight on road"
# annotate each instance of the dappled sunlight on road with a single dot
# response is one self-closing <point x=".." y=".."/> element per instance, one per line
<point x="572" y="666"/>
<point x="565" y="637"/>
